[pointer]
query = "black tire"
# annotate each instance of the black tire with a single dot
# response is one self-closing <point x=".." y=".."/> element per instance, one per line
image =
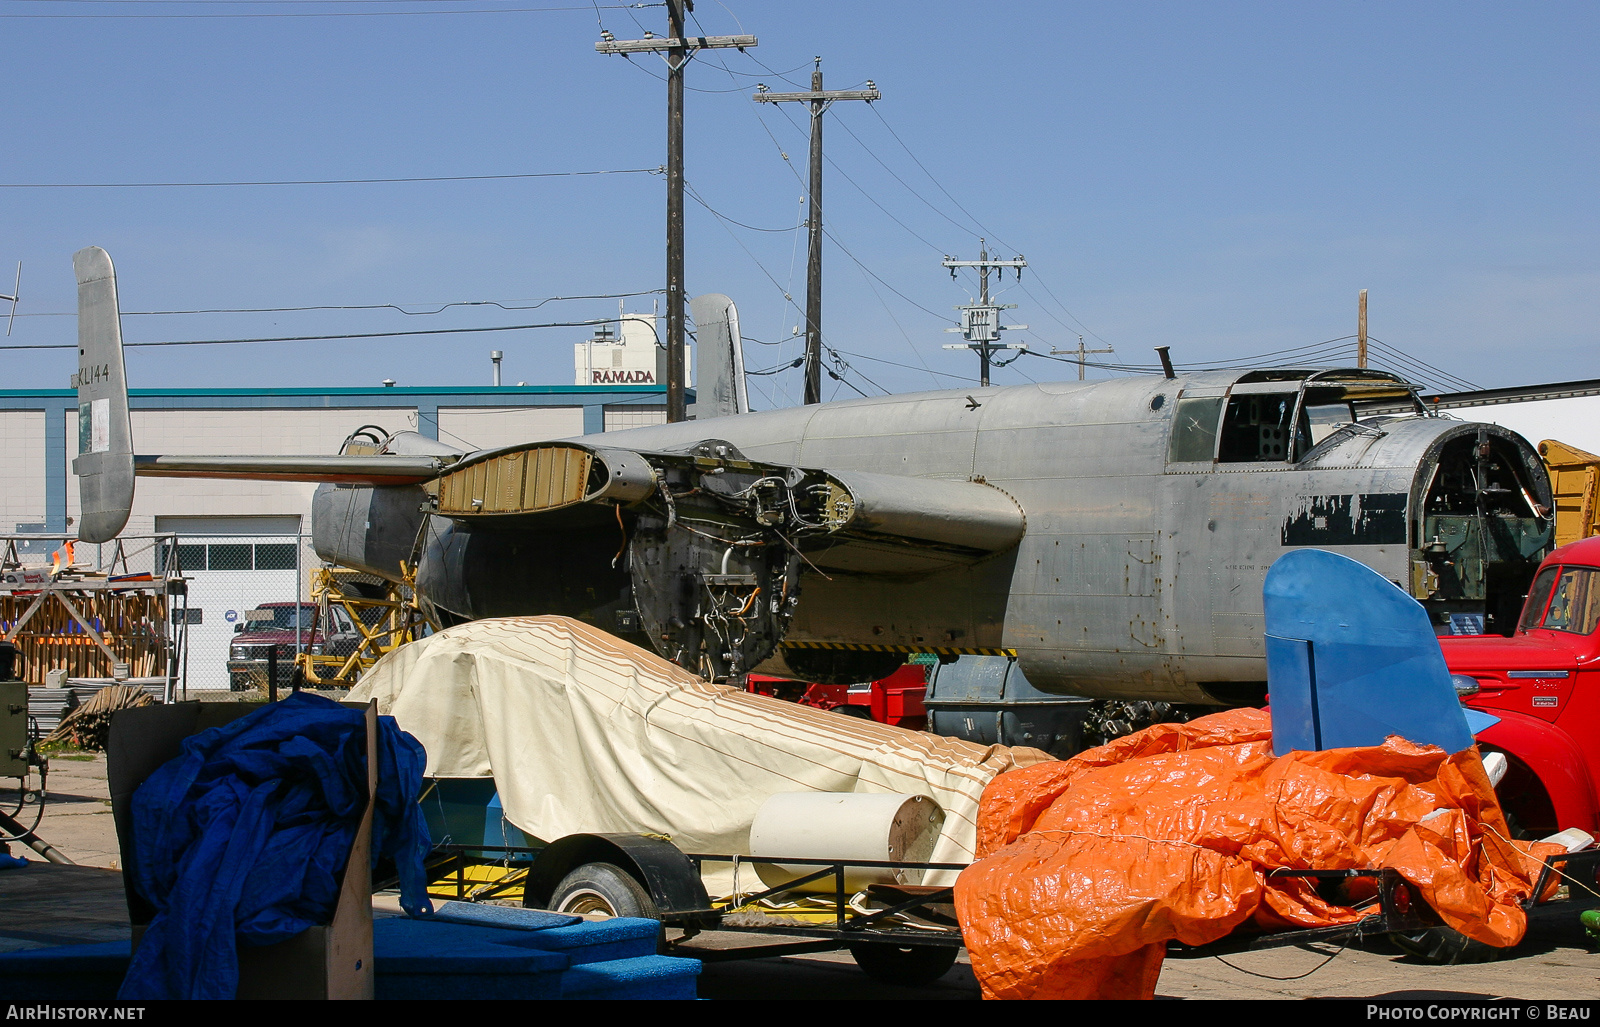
<point x="603" y="888"/>
<point x="903" y="964"/>
<point x="1444" y="946"/>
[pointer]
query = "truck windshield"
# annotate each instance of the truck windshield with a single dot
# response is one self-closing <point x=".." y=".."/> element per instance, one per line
<point x="284" y="617"/>
<point x="1574" y="604"/>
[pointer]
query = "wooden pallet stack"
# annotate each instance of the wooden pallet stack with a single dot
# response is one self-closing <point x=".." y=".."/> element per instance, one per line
<point x="131" y="624"/>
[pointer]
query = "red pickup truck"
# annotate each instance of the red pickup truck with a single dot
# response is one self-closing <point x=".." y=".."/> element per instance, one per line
<point x="1544" y="685"/>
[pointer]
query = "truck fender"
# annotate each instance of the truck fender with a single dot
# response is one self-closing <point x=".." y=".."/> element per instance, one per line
<point x="1555" y="757"/>
<point x="673" y="881"/>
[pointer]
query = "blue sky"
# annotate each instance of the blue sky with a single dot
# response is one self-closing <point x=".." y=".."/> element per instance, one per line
<point x="1219" y="178"/>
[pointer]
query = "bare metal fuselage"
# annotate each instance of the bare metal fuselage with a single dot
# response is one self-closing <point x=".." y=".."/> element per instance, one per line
<point x="1137" y="575"/>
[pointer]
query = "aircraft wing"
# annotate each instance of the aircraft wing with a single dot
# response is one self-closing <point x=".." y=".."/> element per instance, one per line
<point x="845" y="521"/>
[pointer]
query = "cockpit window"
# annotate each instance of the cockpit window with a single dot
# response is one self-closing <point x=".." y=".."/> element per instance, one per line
<point x="1279" y="415"/>
<point x="1325" y="410"/>
<point x="1575" y="604"/>
<point x="1258" y="427"/>
<point x="1194" y="429"/>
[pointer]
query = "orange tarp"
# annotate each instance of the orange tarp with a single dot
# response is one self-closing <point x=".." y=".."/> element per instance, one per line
<point x="1087" y="867"/>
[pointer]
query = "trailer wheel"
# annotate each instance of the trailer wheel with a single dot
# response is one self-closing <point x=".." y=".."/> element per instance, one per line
<point x="603" y="888"/>
<point x="903" y="964"/>
<point x="1445" y="946"/>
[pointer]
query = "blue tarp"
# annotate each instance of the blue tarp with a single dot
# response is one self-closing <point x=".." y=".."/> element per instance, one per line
<point x="242" y="839"/>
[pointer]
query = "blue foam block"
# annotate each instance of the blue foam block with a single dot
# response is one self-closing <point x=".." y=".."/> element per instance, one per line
<point x="643" y="977"/>
<point x="421" y="959"/>
<point x="509" y="917"/>
<point x="594" y="941"/>
<point x="586" y="941"/>
<point x="519" y="974"/>
<point x="90" y="973"/>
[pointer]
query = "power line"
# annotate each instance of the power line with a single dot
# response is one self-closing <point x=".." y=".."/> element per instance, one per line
<point x="796" y="362"/>
<point x="327" y="181"/>
<point x="898" y="327"/>
<point x="268" y="3"/>
<point x="835" y="240"/>
<point x="903" y="182"/>
<point x="863" y="191"/>
<point x="911" y="367"/>
<point x="985" y="229"/>
<point x="695" y="195"/>
<point x="1307" y="353"/>
<point x="512" y="305"/>
<point x="308" y="14"/>
<point x="1443" y="380"/>
<point x="351" y="335"/>
<point x="1424" y="364"/>
<point x="981" y="226"/>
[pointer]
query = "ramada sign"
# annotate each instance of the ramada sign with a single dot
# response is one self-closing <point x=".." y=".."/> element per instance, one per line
<point x="622" y="377"/>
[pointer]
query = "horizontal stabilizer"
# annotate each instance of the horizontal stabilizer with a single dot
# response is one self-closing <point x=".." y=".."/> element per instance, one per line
<point x="376" y="469"/>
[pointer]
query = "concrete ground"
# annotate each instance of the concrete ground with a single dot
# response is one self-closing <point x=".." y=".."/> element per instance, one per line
<point x="1555" y="961"/>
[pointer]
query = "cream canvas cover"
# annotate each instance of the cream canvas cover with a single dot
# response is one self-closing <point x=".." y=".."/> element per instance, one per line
<point x="584" y="732"/>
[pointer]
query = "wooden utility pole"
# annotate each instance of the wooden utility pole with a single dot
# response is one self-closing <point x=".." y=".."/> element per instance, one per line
<point x="820" y="101"/>
<point x="1361" y="332"/>
<point x="1081" y="354"/>
<point x="678" y="49"/>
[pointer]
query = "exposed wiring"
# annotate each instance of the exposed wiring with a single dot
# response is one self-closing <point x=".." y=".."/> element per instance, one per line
<point x="1296" y="977"/>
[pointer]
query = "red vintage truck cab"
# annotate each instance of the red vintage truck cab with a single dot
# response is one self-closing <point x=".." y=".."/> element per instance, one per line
<point x="1544" y="685"/>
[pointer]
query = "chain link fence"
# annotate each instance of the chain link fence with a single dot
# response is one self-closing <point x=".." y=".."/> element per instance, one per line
<point x="248" y="607"/>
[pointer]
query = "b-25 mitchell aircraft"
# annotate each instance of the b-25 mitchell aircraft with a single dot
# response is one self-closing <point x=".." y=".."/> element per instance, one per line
<point x="1113" y="536"/>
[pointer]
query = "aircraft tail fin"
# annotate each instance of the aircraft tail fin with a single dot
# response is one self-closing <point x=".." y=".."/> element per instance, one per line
<point x="719" y="363"/>
<point x="104" y="464"/>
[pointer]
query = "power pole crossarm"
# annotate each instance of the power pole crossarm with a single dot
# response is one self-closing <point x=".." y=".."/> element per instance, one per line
<point x="825" y="95"/>
<point x="820" y="100"/>
<point x="657" y="45"/>
<point x="1082" y="353"/>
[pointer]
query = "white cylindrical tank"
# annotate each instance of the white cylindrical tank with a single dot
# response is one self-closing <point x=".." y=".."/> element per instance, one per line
<point x="845" y="826"/>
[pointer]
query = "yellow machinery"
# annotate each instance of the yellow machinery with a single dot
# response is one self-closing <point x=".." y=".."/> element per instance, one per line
<point x="384" y="622"/>
<point x="1575" y="484"/>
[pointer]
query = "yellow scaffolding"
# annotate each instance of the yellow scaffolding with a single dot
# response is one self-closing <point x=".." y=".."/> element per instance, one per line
<point x="384" y="623"/>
